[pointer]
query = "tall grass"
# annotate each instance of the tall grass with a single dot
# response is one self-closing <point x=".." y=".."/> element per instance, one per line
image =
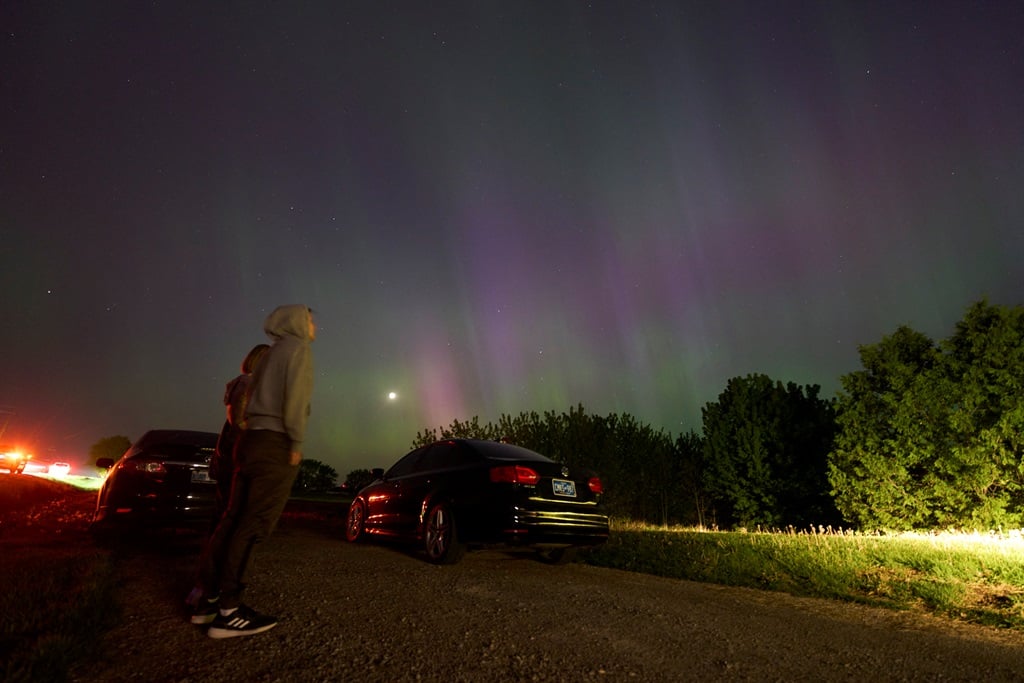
<point x="971" y="577"/>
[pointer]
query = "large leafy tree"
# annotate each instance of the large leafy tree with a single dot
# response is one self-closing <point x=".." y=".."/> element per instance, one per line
<point x="314" y="476"/>
<point x="765" y="454"/>
<point x="877" y="470"/>
<point x="985" y="365"/>
<point x="109" y="447"/>
<point x="931" y="433"/>
<point x="357" y="479"/>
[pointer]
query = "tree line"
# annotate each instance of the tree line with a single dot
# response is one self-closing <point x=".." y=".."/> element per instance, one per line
<point x="926" y="435"/>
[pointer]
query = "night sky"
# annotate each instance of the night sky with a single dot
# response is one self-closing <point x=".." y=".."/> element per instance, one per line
<point x="493" y="207"/>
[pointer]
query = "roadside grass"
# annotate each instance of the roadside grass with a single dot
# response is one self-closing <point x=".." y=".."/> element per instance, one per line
<point x="970" y="577"/>
<point x="55" y="609"/>
<point x="59" y="594"/>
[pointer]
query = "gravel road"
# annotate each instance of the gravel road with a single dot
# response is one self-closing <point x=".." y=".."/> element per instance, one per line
<point x="375" y="613"/>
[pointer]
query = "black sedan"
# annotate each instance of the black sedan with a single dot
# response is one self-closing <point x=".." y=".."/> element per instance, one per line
<point x="461" y="493"/>
<point x="163" y="480"/>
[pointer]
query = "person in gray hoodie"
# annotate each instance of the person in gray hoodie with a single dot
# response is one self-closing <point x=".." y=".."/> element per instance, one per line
<point x="267" y="457"/>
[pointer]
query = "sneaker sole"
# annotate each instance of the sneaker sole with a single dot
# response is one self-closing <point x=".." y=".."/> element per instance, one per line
<point x="219" y="633"/>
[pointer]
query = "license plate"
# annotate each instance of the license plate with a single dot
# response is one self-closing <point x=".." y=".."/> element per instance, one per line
<point x="201" y="477"/>
<point x="562" y="487"/>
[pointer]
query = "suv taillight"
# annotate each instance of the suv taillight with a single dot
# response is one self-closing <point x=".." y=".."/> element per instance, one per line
<point x="594" y="484"/>
<point x="155" y="467"/>
<point x="514" y="474"/>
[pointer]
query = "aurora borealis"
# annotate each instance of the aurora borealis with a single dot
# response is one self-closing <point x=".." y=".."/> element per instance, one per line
<point x="493" y="207"/>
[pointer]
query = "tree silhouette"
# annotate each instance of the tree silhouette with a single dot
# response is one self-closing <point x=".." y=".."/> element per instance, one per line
<point x="766" y="451"/>
<point x="314" y="476"/>
<point x="357" y="479"/>
<point x="109" y="447"/>
<point x="932" y="435"/>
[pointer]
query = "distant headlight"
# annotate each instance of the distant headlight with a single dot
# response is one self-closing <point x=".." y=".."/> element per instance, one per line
<point x="59" y="469"/>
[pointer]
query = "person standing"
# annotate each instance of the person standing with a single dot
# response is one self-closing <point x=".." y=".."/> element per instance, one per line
<point x="236" y="399"/>
<point x="222" y="470"/>
<point x="267" y="458"/>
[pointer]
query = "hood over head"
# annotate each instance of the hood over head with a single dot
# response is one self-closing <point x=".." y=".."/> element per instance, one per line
<point x="290" y="320"/>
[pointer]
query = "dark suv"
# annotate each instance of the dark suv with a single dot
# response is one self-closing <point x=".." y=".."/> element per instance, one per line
<point x="163" y="480"/>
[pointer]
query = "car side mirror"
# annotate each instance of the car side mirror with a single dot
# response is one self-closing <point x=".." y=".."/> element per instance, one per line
<point x="105" y="463"/>
<point x="377" y="472"/>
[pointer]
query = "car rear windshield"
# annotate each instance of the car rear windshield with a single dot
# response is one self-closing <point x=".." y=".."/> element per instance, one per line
<point x="159" y="437"/>
<point x="505" y="451"/>
<point x="174" y="451"/>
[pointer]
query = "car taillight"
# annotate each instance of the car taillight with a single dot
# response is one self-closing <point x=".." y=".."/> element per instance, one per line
<point x="514" y="474"/>
<point x="594" y="484"/>
<point x="149" y="466"/>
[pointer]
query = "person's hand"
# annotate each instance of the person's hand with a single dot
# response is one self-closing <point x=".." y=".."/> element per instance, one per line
<point x="296" y="458"/>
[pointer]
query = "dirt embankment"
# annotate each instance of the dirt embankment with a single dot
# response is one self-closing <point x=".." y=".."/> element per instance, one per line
<point x="377" y="613"/>
<point x="38" y="510"/>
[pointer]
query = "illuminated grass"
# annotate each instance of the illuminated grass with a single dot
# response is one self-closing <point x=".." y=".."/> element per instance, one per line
<point x="79" y="481"/>
<point x="972" y="577"/>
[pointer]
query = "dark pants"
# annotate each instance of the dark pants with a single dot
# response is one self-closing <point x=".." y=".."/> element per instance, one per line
<point x="222" y="469"/>
<point x="260" y="488"/>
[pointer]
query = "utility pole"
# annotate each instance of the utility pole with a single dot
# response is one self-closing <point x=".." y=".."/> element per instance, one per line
<point x="7" y="420"/>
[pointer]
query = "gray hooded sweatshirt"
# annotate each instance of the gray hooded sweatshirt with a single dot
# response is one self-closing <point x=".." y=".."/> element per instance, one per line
<point x="283" y="383"/>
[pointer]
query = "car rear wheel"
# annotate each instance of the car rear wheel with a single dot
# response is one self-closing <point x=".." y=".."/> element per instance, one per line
<point x="440" y="536"/>
<point x="355" y="522"/>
